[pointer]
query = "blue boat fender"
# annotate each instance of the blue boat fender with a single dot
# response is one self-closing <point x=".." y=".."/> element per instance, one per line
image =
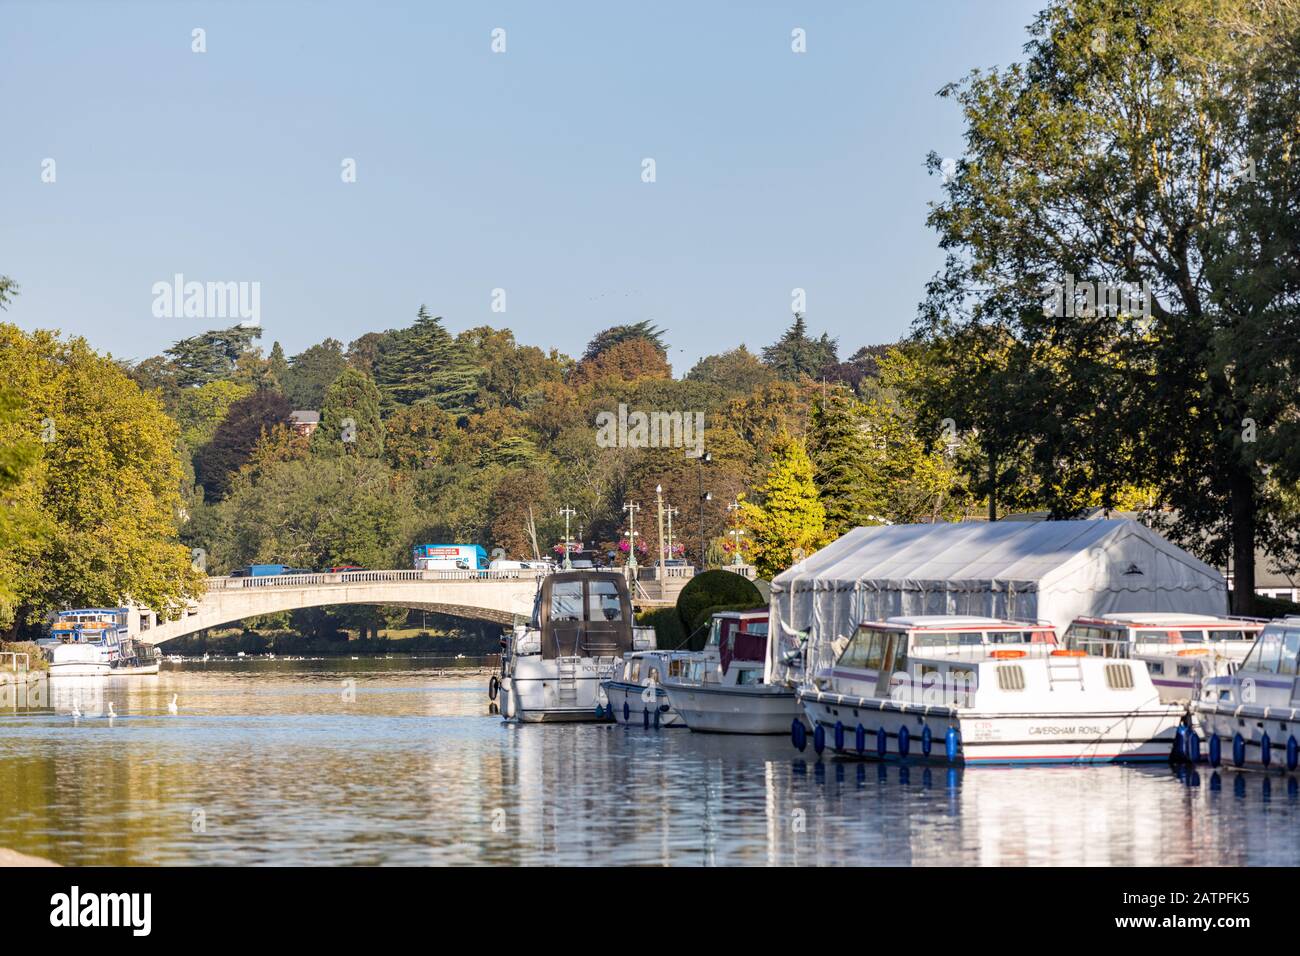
<point x="952" y="744"/>
<point x="860" y="739"/>
<point x="798" y="734"/>
<point x="819" y="739"/>
<point x="839" y="735"/>
<point x="1238" y="750"/>
<point x="882" y="742"/>
<point x="904" y="741"/>
<point x="927" y="740"/>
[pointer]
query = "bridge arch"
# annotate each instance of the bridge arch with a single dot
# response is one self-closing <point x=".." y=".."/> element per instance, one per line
<point x="502" y="597"/>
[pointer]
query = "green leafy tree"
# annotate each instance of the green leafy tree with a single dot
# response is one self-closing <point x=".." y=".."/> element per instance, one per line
<point x="200" y="410"/>
<point x="1112" y="157"/>
<point x="737" y="372"/>
<point x="349" y="420"/>
<point x="20" y="519"/>
<point x="788" y="521"/>
<point x="311" y="373"/>
<point x="107" y="484"/>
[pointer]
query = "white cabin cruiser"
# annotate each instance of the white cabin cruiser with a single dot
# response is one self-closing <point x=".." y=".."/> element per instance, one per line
<point x="727" y="693"/>
<point x="1181" y="651"/>
<point x="581" y="627"/>
<point x="635" y="693"/>
<point x="978" y="690"/>
<point x="96" y="642"/>
<point x="1251" y="718"/>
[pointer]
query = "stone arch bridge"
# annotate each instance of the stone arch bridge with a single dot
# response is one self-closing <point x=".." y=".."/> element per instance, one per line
<point x="503" y="597"/>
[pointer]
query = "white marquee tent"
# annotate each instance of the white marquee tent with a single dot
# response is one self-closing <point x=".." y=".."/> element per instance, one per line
<point x="1041" y="570"/>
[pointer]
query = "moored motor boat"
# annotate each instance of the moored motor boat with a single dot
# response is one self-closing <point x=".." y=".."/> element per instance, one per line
<point x="95" y="642"/>
<point x="978" y="690"/>
<point x="1251" y="718"/>
<point x="635" y="693"/>
<point x="553" y="667"/>
<point x="1181" y="651"/>
<point x="728" y="694"/>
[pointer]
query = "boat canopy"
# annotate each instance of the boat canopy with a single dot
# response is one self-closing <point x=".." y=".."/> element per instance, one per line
<point x="1053" y="571"/>
<point x="584" y="614"/>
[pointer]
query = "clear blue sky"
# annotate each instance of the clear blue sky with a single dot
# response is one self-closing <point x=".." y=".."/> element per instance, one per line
<point x="477" y="170"/>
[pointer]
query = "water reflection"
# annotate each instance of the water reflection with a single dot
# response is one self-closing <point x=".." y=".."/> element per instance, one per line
<point x="384" y="762"/>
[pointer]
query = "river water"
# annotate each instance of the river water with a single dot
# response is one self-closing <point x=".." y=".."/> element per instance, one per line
<point x="388" y="762"/>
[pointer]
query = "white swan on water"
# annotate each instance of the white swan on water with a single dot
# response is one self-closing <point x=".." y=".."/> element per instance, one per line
<point x="76" y="712"/>
<point x="111" y="712"/>
<point x="172" y="708"/>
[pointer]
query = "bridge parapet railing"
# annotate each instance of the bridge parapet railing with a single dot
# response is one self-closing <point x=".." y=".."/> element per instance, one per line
<point x="371" y="577"/>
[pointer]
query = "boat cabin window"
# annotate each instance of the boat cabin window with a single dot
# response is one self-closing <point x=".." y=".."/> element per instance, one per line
<point x="1275" y="652"/>
<point x="755" y="628"/>
<point x="715" y="633"/>
<point x="1231" y="636"/>
<point x="636" y="672"/>
<point x="749" y="675"/>
<point x="604" y="603"/>
<point x="866" y="650"/>
<point x="566" y="601"/>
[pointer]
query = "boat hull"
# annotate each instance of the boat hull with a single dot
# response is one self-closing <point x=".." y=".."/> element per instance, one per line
<point x="1142" y="736"/>
<point x="718" y="709"/>
<point x="80" y="669"/>
<point x="629" y="704"/>
<point x="535" y="696"/>
<point x="1281" y="724"/>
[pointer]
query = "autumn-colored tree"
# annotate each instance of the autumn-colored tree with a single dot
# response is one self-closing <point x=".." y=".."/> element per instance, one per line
<point x="627" y="361"/>
<point x="788" y="521"/>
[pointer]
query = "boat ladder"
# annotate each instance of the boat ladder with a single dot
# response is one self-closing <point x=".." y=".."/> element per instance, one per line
<point x="1064" y="670"/>
<point x="566" y="684"/>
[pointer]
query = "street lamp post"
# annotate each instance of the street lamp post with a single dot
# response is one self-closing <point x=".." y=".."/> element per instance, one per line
<point x="568" y="513"/>
<point x="659" y="502"/>
<point x="705" y="459"/>
<point x="736" y="531"/>
<point x="631" y="508"/>
<point x="670" y="511"/>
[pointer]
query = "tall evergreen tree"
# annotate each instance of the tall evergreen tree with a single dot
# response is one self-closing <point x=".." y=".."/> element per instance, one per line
<point x="842" y="458"/>
<point x="349" y="418"/>
<point x="797" y="355"/>
<point x="212" y="355"/>
<point x="424" y="364"/>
